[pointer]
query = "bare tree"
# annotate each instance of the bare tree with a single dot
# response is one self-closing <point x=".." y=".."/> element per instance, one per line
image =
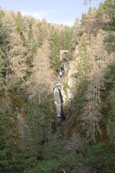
<point x="92" y="115"/>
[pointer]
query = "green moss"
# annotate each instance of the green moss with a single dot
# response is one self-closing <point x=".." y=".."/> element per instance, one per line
<point x="16" y="100"/>
<point x="74" y="75"/>
<point x="83" y="45"/>
<point x="65" y="87"/>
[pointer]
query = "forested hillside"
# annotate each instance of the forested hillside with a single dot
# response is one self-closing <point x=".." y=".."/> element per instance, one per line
<point x="29" y="66"/>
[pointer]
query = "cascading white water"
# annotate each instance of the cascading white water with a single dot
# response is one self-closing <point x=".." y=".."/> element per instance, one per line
<point x="57" y="89"/>
<point x="58" y="100"/>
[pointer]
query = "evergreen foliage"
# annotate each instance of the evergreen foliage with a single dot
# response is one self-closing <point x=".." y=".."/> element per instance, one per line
<point x="20" y="28"/>
<point x="55" y="47"/>
<point x="60" y="41"/>
<point x="11" y="159"/>
<point x="109" y="9"/>
<point x="110" y="94"/>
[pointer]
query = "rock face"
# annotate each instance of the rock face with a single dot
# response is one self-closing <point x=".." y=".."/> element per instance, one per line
<point x="69" y="81"/>
<point x="69" y="71"/>
<point x="63" y="54"/>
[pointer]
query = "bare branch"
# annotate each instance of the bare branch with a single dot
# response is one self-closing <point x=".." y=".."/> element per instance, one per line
<point x="63" y="171"/>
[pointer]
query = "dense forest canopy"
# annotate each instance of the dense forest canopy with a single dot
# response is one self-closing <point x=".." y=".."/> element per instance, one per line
<point x="29" y="61"/>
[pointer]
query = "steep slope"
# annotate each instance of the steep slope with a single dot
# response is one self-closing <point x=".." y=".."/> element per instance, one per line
<point x="90" y="64"/>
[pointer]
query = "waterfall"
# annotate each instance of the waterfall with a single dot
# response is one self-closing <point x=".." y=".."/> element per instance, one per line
<point x="59" y="111"/>
<point x="58" y="100"/>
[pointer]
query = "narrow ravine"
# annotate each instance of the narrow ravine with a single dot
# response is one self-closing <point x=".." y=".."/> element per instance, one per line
<point x="58" y="96"/>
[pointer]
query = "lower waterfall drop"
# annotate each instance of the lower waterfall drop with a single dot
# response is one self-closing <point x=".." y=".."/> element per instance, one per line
<point x="58" y="101"/>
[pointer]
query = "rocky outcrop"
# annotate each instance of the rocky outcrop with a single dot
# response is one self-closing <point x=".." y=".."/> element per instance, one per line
<point x="69" y="81"/>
